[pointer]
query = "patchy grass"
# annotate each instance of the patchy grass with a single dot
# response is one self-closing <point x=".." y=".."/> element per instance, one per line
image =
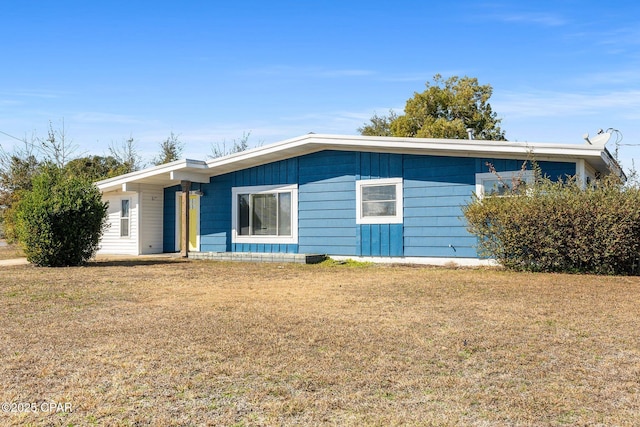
<point x="349" y="262"/>
<point x="204" y="343"/>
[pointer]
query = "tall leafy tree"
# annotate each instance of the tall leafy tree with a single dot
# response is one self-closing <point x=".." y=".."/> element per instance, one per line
<point x="379" y="125"/>
<point x="16" y="172"/>
<point x="445" y="109"/>
<point x="16" y="175"/>
<point x="95" y="168"/>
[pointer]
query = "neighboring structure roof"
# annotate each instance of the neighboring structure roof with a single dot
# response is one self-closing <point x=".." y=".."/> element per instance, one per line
<point x="169" y="174"/>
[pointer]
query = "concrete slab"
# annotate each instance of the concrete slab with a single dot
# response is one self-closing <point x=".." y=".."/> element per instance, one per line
<point x="258" y="257"/>
<point x="13" y="261"/>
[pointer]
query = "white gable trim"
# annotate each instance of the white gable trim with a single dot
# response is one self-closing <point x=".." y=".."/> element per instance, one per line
<point x="595" y="156"/>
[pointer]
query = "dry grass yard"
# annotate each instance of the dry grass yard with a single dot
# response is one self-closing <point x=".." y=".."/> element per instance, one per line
<point x="179" y="343"/>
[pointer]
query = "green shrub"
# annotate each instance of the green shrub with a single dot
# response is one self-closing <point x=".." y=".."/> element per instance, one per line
<point x="561" y="227"/>
<point x="60" y="220"/>
<point x="330" y="262"/>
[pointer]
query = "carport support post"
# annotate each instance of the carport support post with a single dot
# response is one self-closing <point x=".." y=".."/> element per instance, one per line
<point x="184" y="227"/>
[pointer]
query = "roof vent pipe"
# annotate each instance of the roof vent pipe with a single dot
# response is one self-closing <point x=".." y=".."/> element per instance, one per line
<point x="470" y="133"/>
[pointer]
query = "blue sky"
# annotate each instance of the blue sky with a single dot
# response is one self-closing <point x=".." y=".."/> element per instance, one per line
<point x="210" y="71"/>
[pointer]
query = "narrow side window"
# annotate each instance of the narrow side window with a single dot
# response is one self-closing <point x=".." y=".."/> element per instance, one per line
<point x="124" y="218"/>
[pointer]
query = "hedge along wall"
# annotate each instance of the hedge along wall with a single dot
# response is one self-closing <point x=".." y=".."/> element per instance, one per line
<point x="561" y="227"/>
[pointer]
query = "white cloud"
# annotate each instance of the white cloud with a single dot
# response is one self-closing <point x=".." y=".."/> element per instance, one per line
<point x="415" y="77"/>
<point x="343" y="73"/>
<point x="507" y="13"/>
<point x="553" y="104"/>
<point x="35" y="93"/>
<point x="544" y="19"/>
<point x="98" y="117"/>
<point x="310" y="72"/>
<point x="9" y="102"/>
<point x="617" y="77"/>
<point x="627" y="36"/>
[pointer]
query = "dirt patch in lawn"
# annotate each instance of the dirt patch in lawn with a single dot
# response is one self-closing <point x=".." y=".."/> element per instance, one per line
<point x="9" y="251"/>
<point x="205" y="343"/>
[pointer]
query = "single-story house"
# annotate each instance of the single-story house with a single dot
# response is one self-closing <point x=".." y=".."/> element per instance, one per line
<point x="361" y="197"/>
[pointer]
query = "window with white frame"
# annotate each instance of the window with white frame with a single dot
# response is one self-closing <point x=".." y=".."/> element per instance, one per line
<point x="503" y="183"/>
<point x="124" y="217"/>
<point x="265" y="214"/>
<point x="379" y="201"/>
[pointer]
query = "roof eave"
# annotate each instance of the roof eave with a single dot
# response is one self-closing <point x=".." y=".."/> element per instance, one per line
<point x="463" y="148"/>
<point x="169" y="174"/>
<point x="162" y="175"/>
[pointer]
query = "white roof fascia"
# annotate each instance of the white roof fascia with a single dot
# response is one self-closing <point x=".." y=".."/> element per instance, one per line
<point x="308" y="144"/>
<point x="155" y="171"/>
<point x="189" y="176"/>
<point x="613" y="165"/>
<point x="200" y="171"/>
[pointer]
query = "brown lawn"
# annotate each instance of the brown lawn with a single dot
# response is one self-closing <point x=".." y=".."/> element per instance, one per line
<point x="201" y="343"/>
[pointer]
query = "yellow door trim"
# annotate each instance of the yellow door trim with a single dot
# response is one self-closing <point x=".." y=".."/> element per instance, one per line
<point x="194" y="222"/>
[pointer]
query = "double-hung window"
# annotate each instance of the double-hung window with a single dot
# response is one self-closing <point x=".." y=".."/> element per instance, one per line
<point x="265" y="214"/>
<point x="124" y="217"/>
<point x="379" y="201"/>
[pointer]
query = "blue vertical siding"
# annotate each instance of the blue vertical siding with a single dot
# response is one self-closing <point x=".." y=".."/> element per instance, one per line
<point x="215" y="215"/>
<point x="379" y="239"/>
<point x="378" y="165"/>
<point x="557" y="170"/>
<point x="169" y="222"/>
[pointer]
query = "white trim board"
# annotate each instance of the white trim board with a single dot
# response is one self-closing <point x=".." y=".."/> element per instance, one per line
<point x="398" y="218"/>
<point x="460" y="262"/>
<point x="289" y="188"/>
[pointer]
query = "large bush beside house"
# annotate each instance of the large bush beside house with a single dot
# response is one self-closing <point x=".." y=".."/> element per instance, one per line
<point x="561" y="227"/>
<point x="60" y="220"/>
